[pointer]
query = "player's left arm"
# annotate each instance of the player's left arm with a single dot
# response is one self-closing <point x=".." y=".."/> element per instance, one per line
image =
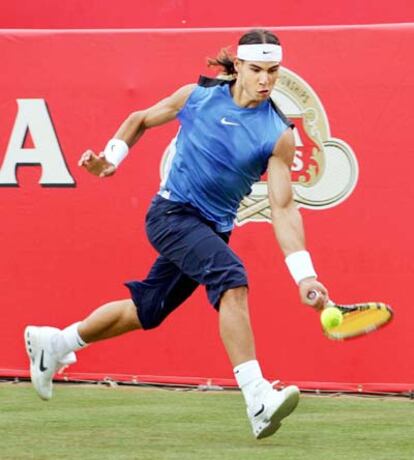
<point x="286" y="218"/>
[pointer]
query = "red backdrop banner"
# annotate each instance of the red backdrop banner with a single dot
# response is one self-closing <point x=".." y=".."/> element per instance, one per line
<point x="68" y="240"/>
<point x="214" y="13"/>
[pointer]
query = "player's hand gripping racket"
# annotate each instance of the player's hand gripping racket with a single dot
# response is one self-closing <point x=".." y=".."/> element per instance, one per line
<point x="357" y="319"/>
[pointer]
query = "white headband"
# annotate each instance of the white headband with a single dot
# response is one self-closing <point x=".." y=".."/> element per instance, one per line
<point x="260" y="52"/>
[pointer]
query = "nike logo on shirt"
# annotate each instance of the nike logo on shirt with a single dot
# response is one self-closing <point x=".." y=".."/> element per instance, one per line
<point x="224" y="121"/>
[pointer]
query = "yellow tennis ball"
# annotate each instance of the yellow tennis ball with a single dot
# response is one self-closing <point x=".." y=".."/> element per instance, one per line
<point x="331" y="317"/>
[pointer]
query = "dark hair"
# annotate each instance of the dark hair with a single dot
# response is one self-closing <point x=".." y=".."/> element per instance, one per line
<point x="225" y="58"/>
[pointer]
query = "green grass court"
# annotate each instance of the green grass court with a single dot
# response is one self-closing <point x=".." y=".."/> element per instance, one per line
<point x="97" y="422"/>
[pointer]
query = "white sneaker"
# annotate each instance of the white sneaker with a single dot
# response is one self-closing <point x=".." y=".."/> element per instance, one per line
<point x="44" y="362"/>
<point x="270" y="407"/>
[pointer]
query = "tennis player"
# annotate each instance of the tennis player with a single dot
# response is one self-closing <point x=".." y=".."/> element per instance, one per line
<point x="230" y="134"/>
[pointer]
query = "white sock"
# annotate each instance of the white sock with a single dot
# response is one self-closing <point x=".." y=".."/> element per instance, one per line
<point x="248" y="375"/>
<point x="68" y="340"/>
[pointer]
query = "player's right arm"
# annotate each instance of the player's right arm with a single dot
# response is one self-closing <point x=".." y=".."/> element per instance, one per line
<point x="287" y="220"/>
<point x="134" y="127"/>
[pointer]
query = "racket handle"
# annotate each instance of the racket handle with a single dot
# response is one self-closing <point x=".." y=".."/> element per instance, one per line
<point x="312" y="295"/>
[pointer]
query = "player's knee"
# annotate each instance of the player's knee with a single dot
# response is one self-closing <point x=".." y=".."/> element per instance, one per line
<point x="235" y="298"/>
<point x="130" y="316"/>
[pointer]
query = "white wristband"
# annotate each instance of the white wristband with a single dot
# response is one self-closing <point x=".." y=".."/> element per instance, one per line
<point x="300" y="265"/>
<point x="115" y="151"/>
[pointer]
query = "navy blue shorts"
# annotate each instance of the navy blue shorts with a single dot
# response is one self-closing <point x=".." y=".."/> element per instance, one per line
<point x="191" y="253"/>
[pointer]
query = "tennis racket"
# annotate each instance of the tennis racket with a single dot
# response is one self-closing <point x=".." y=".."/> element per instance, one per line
<point x="358" y="319"/>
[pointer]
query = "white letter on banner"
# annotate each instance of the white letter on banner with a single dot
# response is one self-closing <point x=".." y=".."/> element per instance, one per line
<point x="33" y="116"/>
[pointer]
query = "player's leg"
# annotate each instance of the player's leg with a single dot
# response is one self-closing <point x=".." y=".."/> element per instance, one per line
<point x="153" y="299"/>
<point x="266" y="407"/>
<point x="235" y="328"/>
<point x="109" y="320"/>
<point x="50" y="348"/>
<point x="181" y="235"/>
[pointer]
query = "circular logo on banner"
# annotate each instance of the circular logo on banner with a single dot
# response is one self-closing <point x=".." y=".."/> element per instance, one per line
<point x="325" y="169"/>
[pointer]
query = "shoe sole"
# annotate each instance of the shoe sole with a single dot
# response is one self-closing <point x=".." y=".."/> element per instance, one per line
<point x="30" y="340"/>
<point x="285" y="409"/>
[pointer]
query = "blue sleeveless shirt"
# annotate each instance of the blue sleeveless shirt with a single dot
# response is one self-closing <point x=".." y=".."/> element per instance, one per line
<point x="221" y="149"/>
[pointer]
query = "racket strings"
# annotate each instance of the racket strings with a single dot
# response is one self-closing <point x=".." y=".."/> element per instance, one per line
<point x="360" y="319"/>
